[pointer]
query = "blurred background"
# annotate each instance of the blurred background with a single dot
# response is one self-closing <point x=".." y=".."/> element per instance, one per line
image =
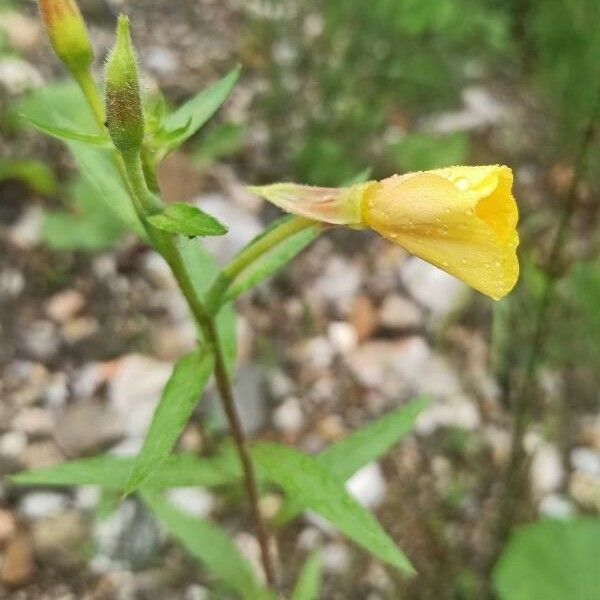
<point x="91" y="321"/>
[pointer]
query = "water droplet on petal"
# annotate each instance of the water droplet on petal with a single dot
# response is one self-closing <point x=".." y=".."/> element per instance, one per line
<point x="462" y="183"/>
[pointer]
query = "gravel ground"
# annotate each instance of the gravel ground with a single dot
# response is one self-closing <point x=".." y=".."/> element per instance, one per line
<point x="355" y="327"/>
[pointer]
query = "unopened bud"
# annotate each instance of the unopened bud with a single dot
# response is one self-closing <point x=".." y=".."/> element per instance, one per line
<point x="124" y="113"/>
<point x="67" y="32"/>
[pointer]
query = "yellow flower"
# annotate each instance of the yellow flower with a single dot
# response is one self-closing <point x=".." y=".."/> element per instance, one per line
<point x="461" y="219"/>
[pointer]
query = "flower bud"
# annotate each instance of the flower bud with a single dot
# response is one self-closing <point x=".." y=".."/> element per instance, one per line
<point x="124" y="113"/>
<point x="67" y="33"/>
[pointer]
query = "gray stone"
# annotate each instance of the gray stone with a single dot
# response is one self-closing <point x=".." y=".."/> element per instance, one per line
<point x="40" y="505"/>
<point x="87" y="427"/>
<point x="288" y="416"/>
<point x="368" y="485"/>
<point x="397" y="312"/>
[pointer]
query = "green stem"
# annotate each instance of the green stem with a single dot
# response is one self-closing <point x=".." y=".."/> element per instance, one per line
<point x="248" y="255"/>
<point x="87" y="85"/>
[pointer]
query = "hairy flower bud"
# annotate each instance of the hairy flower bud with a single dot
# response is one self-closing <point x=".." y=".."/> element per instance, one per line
<point x="67" y="33"/>
<point x="124" y="113"/>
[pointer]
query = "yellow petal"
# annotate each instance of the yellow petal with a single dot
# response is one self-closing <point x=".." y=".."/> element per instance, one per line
<point x="461" y="219"/>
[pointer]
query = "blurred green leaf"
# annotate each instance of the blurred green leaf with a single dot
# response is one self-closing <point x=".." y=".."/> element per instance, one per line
<point x="302" y="477"/>
<point x="62" y="105"/>
<point x="272" y="260"/>
<point x="187" y="220"/>
<point x="33" y="173"/>
<point x="112" y="472"/>
<point x="308" y="584"/>
<point x="87" y="224"/>
<point x="551" y="559"/>
<point x="211" y="546"/>
<point x="72" y="135"/>
<point x="420" y="152"/>
<point x="172" y="413"/>
<point x="220" y="142"/>
<point x="199" y="109"/>
<point x="361" y="447"/>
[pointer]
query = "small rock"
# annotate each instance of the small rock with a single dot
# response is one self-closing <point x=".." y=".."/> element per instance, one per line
<point x="79" y="329"/>
<point x="40" y="505"/>
<point x="23" y="32"/>
<point x="288" y="416"/>
<point x="161" y="60"/>
<point x="40" y="455"/>
<point x="586" y="461"/>
<point x="430" y="286"/>
<point x="339" y="283"/>
<point x="363" y="317"/>
<point x="127" y="539"/>
<point x="8" y="526"/>
<point x="342" y="336"/>
<point x="318" y="352"/>
<point x="135" y="390"/>
<point x="25" y="233"/>
<point x="456" y="411"/>
<point x="590" y="432"/>
<point x="12" y="283"/>
<point x="41" y="339"/>
<point x="336" y="558"/>
<point x="280" y="385"/>
<point x="18" y="565"/>
<point x="557" y="507"/>
<point x="247" y="226"/>
<point x="12" y="444"/>
<point x="33" y="421"/>
<point x="368" y="485"/>
<point x="56" y="392"/>
<point x="309" y="539"/>
<point x="584" y="489"/>
<point x="250" y="400"/>
<point x="65" y="305"/>
<point x="196" y="592"/>
<point x="87" y="427"/>
<point x="195" y="502"/>
<point x="61" y="541"/>
<point x="249" y="547"/>
<point x="331" y="428"/>
<point x="269" y="505"/>
<point x="397" y="312"/>
<point x="546" y="471"/>
<point x="18" y="76"/>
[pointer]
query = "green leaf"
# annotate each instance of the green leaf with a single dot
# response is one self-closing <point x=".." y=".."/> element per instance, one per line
<point x="177" y="402"/>
<point x="419" y="151"/>
<point x="33" y="173"/>
<point x="203" y="270"/>
<point x="551" y="559"/>
<point x="199" y="109"/>
<point x="62" y="105"/>
<point x="88" y="224"/>
<point x="71" y="135"/>
<point x="302" y="477"/>
<point x="308" y="584"/>
<point x="275" y="258"/>
<point x="365" y="445"/>
<point x="112" y="472"/>
<point x="211" y="546"/>
<point x="187" y="220"/>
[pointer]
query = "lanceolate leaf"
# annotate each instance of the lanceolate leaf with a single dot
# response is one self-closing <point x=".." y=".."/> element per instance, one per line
<point x="199" y="109"/>
<point x="304" y="478"/>
<point x="211" y="546"/>
<point x="112" y="472"/>
<point x="187" y="220"/>
<point x="72" y="135"/>
<point x="308" y="584"/>
<point x="368" y="443"/>
<point x="62" y="106"/>
<point x="172" y="413"/>
<point x="274" y="259"/>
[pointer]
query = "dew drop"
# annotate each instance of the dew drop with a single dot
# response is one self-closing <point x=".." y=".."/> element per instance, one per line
<point x="444" y="263"/>
<point x="462" y="183"/>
